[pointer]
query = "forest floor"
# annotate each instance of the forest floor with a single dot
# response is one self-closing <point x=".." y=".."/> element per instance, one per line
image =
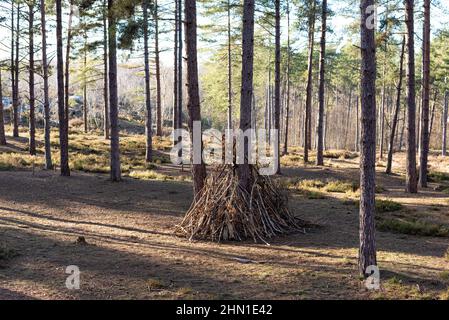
<point x="131" y="252"/>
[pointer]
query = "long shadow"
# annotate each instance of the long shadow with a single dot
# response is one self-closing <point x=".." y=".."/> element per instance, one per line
<point x="110" y="273"/>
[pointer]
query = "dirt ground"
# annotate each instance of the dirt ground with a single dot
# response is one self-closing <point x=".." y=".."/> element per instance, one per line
<point x="131" y="252"/>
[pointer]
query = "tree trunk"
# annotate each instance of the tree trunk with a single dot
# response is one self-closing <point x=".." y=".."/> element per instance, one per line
<point x="396" y="111"/>
<point x="32" y="118"/>
<point x="116" y="174"/>
<point x="67" y="60"/>
<point x="105" y="76"/>
<point x="277" y="82"/>
<point x="158" y="71"/>
<point x="309" y="88"/>
<point x="424" y="150"/>
<point x="180" y="65"/>
<point x="63" y="120"/>
<point x="148" y="120"/>
<point x="175" y="71"/>
<point x="382" y="110"/>
<point x="193" y="97"/>
<point x="47" y="144"/>
<point x="320" y="142"/>
<point x="244" y="170"/>
<point x="357" y="125"/>
<point x="15" y="98"/>
<point x="85" y="85"/>
<point x="411" y="180"/>
<point x="432" y="114"/>
<point x="230" y="126"/>
<point x="2" y="124"/>
<point x="348" y="119"/>
<point x="287" y="100"/>
<point x="13" y="82"/>
<point x="367" y="253"/>
<point x="445" y="113"/>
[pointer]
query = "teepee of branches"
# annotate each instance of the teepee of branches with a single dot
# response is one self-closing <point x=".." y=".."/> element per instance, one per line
<point x="226" y="211"/>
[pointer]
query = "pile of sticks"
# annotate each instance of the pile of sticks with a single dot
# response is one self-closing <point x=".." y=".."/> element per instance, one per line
<point x="226" y="211"/>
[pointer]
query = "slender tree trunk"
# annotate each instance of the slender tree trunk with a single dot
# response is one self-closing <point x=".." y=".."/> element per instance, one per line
<point x="148" y="121"/>
<point x="67" y="60"/>
<point x="382" y="110"/>
<point x="116" y="174"/>
<point x="244" y="170"/>
<point x="445" y="113"/>
<point x="309" y="88"/>
<point x="277" y="82"/>
<point x="180" y="65"/>
<point x="432" y="114"/>
<point x="158" y="71"/>
<point x="105" y="72"/>
<point x="287" y="100"/>
<point x="348" y="119"/>
<point x="367" y="253"/>
<point x="13" y="68"/>
<point x="175" y="71"/>
<point x="63" y="121"/>
<point x="320" y="144"/>
<point x="396" y="111"/>
<point x="230" y="126"/>
<point x="411" y="180"/>
<point x="357" y="125"/>
<point x="2" y="124"/>
<point x="47" y="147"/>
<point x="32" y="118"/>
<point x="193" y="97"/>
<point x="425" y="137"/>
<point x="85" y="85"/>
<point x="15" y="98"/>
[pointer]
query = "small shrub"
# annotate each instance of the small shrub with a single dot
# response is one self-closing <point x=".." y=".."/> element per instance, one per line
<point x="413" y="227"/>
<point x="155" y="284"/>
<point x="438" y="176"/>
<point x="148" y="175"/>
<point x="387" y="205"/>
<point x="340" y="186"/>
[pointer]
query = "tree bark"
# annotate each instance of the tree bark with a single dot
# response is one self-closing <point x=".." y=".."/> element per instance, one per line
<point x="15" y="98"/>
<point x="85" y="85"/>
<point x="320" y="142"/>
<point x="13" y="82"/>
<point x="396" y="111"/>
<point x="287" y="99"/>
<point x="367" y="252"/>
<point x="105" y="76"/>
<point x="67" y="60"/>
<point x="148" y="120"/>
<point x="445" y="113"/>
<point x="47" y="144"/>
<point x="158" y="71"/>
<point x="229" y="68"/>
<point x="2" y="124"/>
<point x="244" y="170"/>
<point x="116" y="174"/>
<point x="425" y="139"/>
<point x="31" y="100"/>
<point x="309" y="88"/>
<point x="63" y="120"/>
<point x="277" y="81"/>
<point x="175" y="71"/>
<point x="193" y="97"/>
<point x="411" y="180"/>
